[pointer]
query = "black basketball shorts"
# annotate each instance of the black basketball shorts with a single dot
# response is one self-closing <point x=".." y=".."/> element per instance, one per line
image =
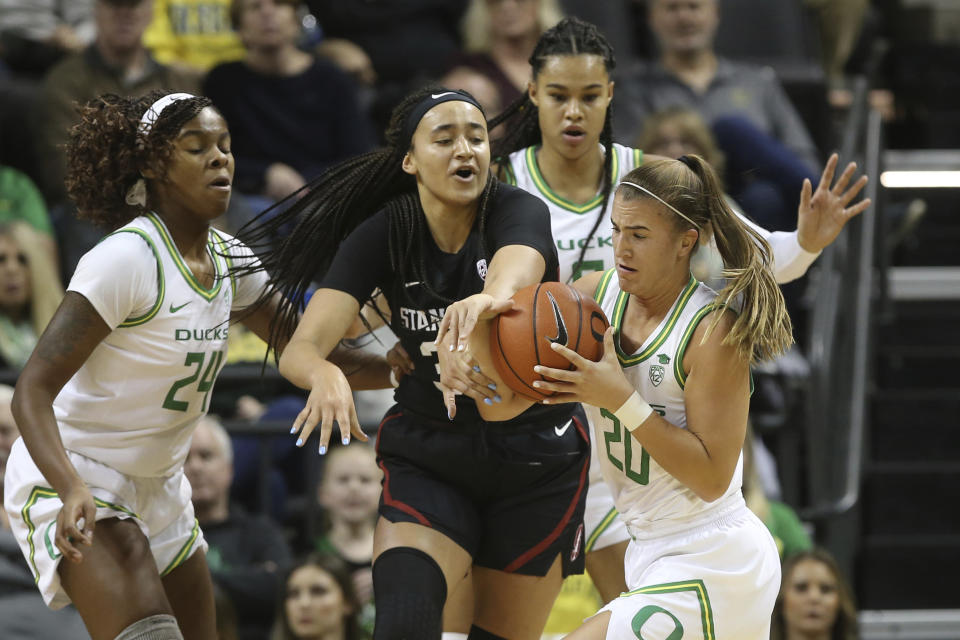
<point x="513" y="499"/>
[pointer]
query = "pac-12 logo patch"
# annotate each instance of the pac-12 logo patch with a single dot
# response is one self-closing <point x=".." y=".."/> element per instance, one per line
<point x="577" y="543"/>
<point x="482" y="268"/>
<point x="656" y="374"/>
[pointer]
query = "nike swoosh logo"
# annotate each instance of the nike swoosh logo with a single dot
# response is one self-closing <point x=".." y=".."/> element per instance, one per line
<point x="562" y="430"/>
<point x="174" y="309"/>
<point x="440" y="95"/>
<point x="561" y="325"/>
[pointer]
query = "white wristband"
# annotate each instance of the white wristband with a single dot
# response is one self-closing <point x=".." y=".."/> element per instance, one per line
<point x="633" y="412"/>
<point x="393" y="379"/>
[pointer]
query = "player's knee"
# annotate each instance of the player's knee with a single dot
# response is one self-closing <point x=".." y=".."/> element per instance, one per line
<point x="129" y="545"/>
<point x="476" y="633"/>
<point x="158" y="627"/>
<point x="410" y="590"/>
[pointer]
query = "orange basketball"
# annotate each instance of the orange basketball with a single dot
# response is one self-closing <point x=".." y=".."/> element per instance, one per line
<point x="544" y="313"/>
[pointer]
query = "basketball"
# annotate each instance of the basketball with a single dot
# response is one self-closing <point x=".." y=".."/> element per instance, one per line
<point x="544" y="313"/>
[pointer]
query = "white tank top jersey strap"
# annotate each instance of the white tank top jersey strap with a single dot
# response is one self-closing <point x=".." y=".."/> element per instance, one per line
<point x="571" y="223"/>
<point x="651" y="501"/>
<point x="135" y="401"/>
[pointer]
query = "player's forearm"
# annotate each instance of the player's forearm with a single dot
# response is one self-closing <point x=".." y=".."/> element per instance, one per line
<point x="364" y="370"/>
<point x="33" y="410"/>
<point x="685" y="456"/>
<point x="511" y="269"/>
<point x="790" y="259"/>
<point x="300" y="362"/>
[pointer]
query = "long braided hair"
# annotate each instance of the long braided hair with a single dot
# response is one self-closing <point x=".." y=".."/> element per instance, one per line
<point x="570" y="37"/>
<point x="297" y="238"/>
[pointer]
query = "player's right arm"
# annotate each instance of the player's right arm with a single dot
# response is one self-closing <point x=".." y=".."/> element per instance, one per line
<point x="73" y="333"/>
<point x="305" y="363"/>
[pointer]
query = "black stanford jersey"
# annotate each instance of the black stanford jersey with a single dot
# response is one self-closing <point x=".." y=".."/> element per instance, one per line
<point x="362" y="265"/>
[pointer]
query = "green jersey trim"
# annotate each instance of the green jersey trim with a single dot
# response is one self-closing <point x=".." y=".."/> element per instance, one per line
<point x="637" y="157"/>
<point x="603" y="285"/>
<point x="184" y="551"/>
<point x="548" y="193"/>
<point x="603" y="526"/>
<point x="678" y="371"/>
<point x="621" y="306"/>
<point x="510" y="177"/>
<point x="45" y="492"/>
<point x="161" y="282"/>
<point x="698" y="588"/>
<point x="205" y="293"/>
<point x="225" y="254"/>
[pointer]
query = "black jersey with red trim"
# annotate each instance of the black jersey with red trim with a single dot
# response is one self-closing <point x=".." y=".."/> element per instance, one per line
<point x="362" y="265"/>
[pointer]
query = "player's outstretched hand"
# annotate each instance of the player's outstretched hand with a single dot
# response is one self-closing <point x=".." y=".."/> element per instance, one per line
<point x="600" y="383"/>
<point x="823" y="213"/>
<point x="461" y="317"/>
<point x="330" y="400"/>
<point x="75" y="522"/>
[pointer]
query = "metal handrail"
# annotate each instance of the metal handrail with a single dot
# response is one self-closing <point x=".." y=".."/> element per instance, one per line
<point x="862" y="260"/>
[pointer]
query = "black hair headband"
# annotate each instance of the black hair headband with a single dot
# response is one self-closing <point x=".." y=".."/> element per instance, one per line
<point x="687" y="160"/>
<point x="429" y="102"/>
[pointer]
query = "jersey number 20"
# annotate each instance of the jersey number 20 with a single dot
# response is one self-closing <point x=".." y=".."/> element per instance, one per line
<point x="617" y="435"/>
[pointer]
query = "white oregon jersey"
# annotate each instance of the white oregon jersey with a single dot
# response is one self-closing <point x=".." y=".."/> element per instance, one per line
<point x="571" y="223"/>
<point x="651" y="500"/>
<point x="135" y="401"/>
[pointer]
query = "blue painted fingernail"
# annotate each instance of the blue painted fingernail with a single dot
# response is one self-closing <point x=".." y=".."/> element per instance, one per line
<point x="537" y="368"/>
<point x="492" y="386"/>
<point x="497" y="398"/>
<point x="476" y="368"/>
<point x="323" y="449"/>
<point x="346" y="441"/>
<point x="299" y="442"/>
<point x="449" y="417"/>
<point x="536" y="384"/>
<point x="487" y="401"/>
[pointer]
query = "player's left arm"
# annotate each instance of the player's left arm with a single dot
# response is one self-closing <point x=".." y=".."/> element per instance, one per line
<point x="512" y="268"/>
<point x="717" y="401"/>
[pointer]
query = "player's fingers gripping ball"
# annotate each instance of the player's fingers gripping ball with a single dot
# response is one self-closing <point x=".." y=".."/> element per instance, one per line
<point x="543" y="314"/>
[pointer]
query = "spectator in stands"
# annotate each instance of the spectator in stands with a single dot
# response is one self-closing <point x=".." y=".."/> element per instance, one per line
<point x="838" y="23"/>
<point x="815" y="602"/>
<point x="245" y="552"/>
<point x="499" y="36"/>
<point x="196" y="34"/>
<point x="116" y="62"/>
<point x="23" y="615"/>
<point x="350" y="493"/>
<point x="20" y="201"/>
<point x="30" y="291"/>
<point x="8" y="434"/>
<point x="226" y="615"/>
<point x="751" y="115"/>
<point x="35" y="35"/>
<point x="291" y="114"/>
<point x="317" y="601"/>
<point x="406" y="41"/>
